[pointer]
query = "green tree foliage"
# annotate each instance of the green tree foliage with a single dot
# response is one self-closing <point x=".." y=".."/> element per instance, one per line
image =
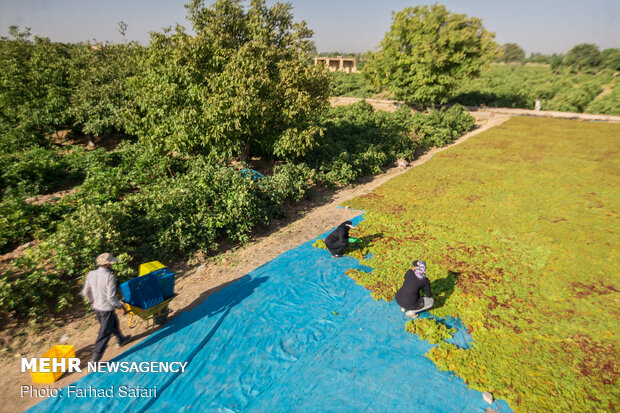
<point x="35" y="171"/>
<point x="360" y="141"/>
<point x="34" y="89"/>
<point x="611" y="58"/>
<point x="15" y="223"/>
<point x="538" y="58"/>
<point x="556" y="61"/>
<point x="441" y="127"/>
<point x="512" y="52"/>
<point x="583" y="57"/>
<point x="350" y="84"/>
<point x="21" y="221"/>
<point x="428" y="51"/>
<point x="242" y="82"/>
<point x="99" y="98"/>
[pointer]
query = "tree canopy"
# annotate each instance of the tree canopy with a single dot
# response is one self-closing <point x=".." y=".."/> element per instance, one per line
<point x="34" y="88"/>
<point x="584" y="56"/>
<point x="427" y="51"/>
<point x="242" y="82"/>
<point x="512" y="52"/>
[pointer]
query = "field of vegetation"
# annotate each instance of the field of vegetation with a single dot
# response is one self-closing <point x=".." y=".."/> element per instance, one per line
<point x="140" y="151"/>
<point x="517" y="86"/>
<point x="519" y="228"/>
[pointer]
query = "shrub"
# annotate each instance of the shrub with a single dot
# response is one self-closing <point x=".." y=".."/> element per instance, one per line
<point x="608" y="103"/>
<point x="290" y="181"/>
<point x="15" y="223"/>
<point x="35" y="171"/>
<point x="441" y="127"/>
<point x="359" y="141"/>
<point x="575" y="99"/>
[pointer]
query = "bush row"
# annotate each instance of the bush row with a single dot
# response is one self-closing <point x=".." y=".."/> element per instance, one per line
<point x="173" y="216"/>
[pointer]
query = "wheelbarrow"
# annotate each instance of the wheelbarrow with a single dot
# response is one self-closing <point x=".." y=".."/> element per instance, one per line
<point x="158" y="314"/>
<point x="132" y="289"/>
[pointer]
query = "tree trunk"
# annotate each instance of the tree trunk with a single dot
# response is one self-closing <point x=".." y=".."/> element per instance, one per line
<point x="245" y="153"/>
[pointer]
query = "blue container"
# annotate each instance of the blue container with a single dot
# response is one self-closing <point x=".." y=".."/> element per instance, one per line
<point x="165" y="280"/>
<point x="142" y="292"/>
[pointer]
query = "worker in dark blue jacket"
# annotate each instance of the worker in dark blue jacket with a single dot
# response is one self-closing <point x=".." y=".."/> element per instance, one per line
<point x="408" y="296"/>
<point x="338" y="240"/>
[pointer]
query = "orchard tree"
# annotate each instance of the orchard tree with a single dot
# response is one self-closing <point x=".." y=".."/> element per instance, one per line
<point x="99" y="73"/>
<point x="512" y="52"/>
<point x="556" y="61"/>
<point x="242" y="83"/>
<point x="584" y="56"/>
<point x="34" y="89"/>
<point x="538" y="58"/>
<point x="428" y="51"/>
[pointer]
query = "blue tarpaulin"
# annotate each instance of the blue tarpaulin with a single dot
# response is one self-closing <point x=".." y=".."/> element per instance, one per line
<point x="296" y="334"/>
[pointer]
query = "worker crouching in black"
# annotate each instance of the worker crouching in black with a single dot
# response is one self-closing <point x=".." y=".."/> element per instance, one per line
<point x="408" y="296"/>
<point x="338" y="240"/>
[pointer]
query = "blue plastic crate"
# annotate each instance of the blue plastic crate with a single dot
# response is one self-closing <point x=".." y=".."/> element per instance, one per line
<point x="165" y="280"/>
<point x="142" y="292"/>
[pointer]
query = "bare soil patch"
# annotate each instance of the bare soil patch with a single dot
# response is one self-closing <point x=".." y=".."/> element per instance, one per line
<point x="50" y="198"/>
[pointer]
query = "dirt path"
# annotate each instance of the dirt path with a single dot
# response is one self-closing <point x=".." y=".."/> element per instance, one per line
<point x="549" y="114"/>
<point x="195" y="284"/>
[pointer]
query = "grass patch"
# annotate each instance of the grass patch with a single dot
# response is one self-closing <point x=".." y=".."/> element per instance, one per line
<point x="519" y="227"/>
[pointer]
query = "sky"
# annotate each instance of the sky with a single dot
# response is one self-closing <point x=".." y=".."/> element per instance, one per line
<point x="542" y="26"/>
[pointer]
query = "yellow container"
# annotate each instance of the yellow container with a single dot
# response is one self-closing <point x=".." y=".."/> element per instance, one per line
<point x="149" y="267"/>
<point x="57" y="352"/>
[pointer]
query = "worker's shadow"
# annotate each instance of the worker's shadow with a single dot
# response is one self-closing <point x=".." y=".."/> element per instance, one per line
<point x="365" y="241"/>
<point x="443" y="288"/>
<point x="368" y="239"/>
<point x="217" y="306"/>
